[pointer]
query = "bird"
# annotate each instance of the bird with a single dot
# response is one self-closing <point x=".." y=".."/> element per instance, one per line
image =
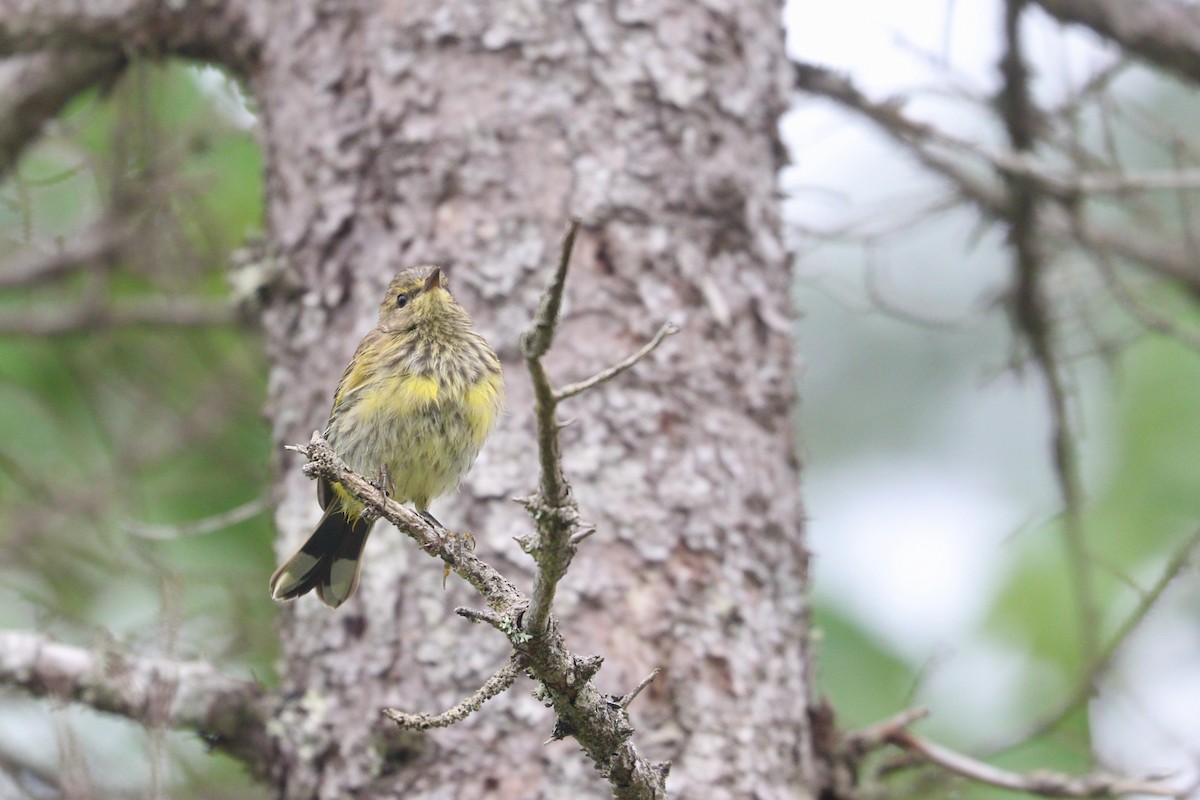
<point x="414" y="406"/>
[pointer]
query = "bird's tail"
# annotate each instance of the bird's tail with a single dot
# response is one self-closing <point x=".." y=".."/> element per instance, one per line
<point x="328" y="561"/>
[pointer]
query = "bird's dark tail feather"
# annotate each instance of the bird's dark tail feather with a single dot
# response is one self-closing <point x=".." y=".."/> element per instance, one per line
<point x="327" y="562"/>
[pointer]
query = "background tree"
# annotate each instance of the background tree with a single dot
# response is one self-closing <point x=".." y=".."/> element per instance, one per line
<point x="466" y="135"/>
<point x="136" y="475"/>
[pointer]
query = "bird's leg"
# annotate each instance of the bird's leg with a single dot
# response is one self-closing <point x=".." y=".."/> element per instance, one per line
<point x="382" y="480"/>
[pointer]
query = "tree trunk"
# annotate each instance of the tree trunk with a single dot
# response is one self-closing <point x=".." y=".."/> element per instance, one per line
<point x="466" y="134"/>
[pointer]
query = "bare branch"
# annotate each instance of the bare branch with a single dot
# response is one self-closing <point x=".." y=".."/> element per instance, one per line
<point x="153" y="691"/>
<point x="214" y="29"/>
<point x="875" y="736"/>
<point x="96" y="249"/>
<point x="152" y="312"/>
<point x="1044" y="783"/>
<point x="602" y="728"/>
<point x="553" y="508"/>
<point x="936" y="151"/>
<point x="1022" y="121"/>
<point x="572" y="389"/>
<point x="217" y="522"/>
<point x="35" y="88"/>
<point x="1164" y="32"/>
<point x="894" y="731"/>
<point x="500" y="682"/>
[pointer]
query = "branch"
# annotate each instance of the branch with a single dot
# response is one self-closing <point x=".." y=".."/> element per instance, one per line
<point x="201" y="527"/>
<point x="193" y="695"/>
<point x="895" y="731"/>
<point x="1022" y="121"/>
<point x="35" y="89"/>
<point x="935" y="150"/>
<point x="553" y="508"/>
<point x="1164" y="32"/>
<point x="152" y="312"/>
<point x="1045" y="783"/>
<point x="572" y="389"/>
<point x="602" y="728"/>
<point x="500" y="682"/>
<point x="98" y="248"/>
<point x="214" y="29"/>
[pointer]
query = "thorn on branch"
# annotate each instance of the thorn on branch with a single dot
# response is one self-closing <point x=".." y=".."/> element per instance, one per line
<point x="579" y="537"/>
<point x="587" y="667"/>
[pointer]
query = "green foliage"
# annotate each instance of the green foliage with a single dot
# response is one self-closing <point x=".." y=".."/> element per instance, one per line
<point x="863" y="680"/>
<point x="110" y="431"/>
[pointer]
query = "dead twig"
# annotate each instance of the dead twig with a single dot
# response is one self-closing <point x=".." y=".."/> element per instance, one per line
<point x="500" y="682"/>
<point x="894" y="731"/>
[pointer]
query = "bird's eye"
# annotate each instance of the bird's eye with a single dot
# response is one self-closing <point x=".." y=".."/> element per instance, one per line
<point x="401" y="300"/>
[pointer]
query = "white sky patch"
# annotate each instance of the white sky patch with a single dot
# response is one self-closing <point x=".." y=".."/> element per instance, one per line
<point x="908" y="548"/>
<point x="1147" y="716"/>
<point x="227" y="95"/>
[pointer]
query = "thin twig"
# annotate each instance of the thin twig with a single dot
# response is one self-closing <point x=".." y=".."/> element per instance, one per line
<point x="629" y="698"/>
<point x="201" y="527"/>
<point x="97" y="249"/>
<point x="1163" y="32"/>
<point x="1044" y="783"/>
<point x="877" y="735"/>
<point x="1086" y="686"/>
<point x="501" y="681"/>
<point x="946" y="156"/>
<point x="894" y="731"/>
<point x="572" y="389"/>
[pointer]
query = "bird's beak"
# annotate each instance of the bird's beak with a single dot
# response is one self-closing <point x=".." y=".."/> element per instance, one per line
<point x="434" y="281"/>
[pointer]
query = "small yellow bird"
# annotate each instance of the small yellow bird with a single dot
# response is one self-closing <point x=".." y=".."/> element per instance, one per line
<point x="415" y="404"/>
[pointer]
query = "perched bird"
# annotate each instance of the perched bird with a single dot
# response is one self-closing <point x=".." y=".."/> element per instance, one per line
<point x="414" y="405"/>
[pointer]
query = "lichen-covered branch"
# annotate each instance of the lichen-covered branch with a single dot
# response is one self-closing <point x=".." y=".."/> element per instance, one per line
<point x="601" y="726"/>
<point x="553" y="508"/>
<point x="190" y="695"/>
<point x="501" y="681"/>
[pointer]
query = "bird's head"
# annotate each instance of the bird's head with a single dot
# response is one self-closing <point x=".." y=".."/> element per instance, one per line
<point x="417" y="296"/>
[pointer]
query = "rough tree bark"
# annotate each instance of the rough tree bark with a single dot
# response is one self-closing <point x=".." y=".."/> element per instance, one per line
<point x="466" y="133"/>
